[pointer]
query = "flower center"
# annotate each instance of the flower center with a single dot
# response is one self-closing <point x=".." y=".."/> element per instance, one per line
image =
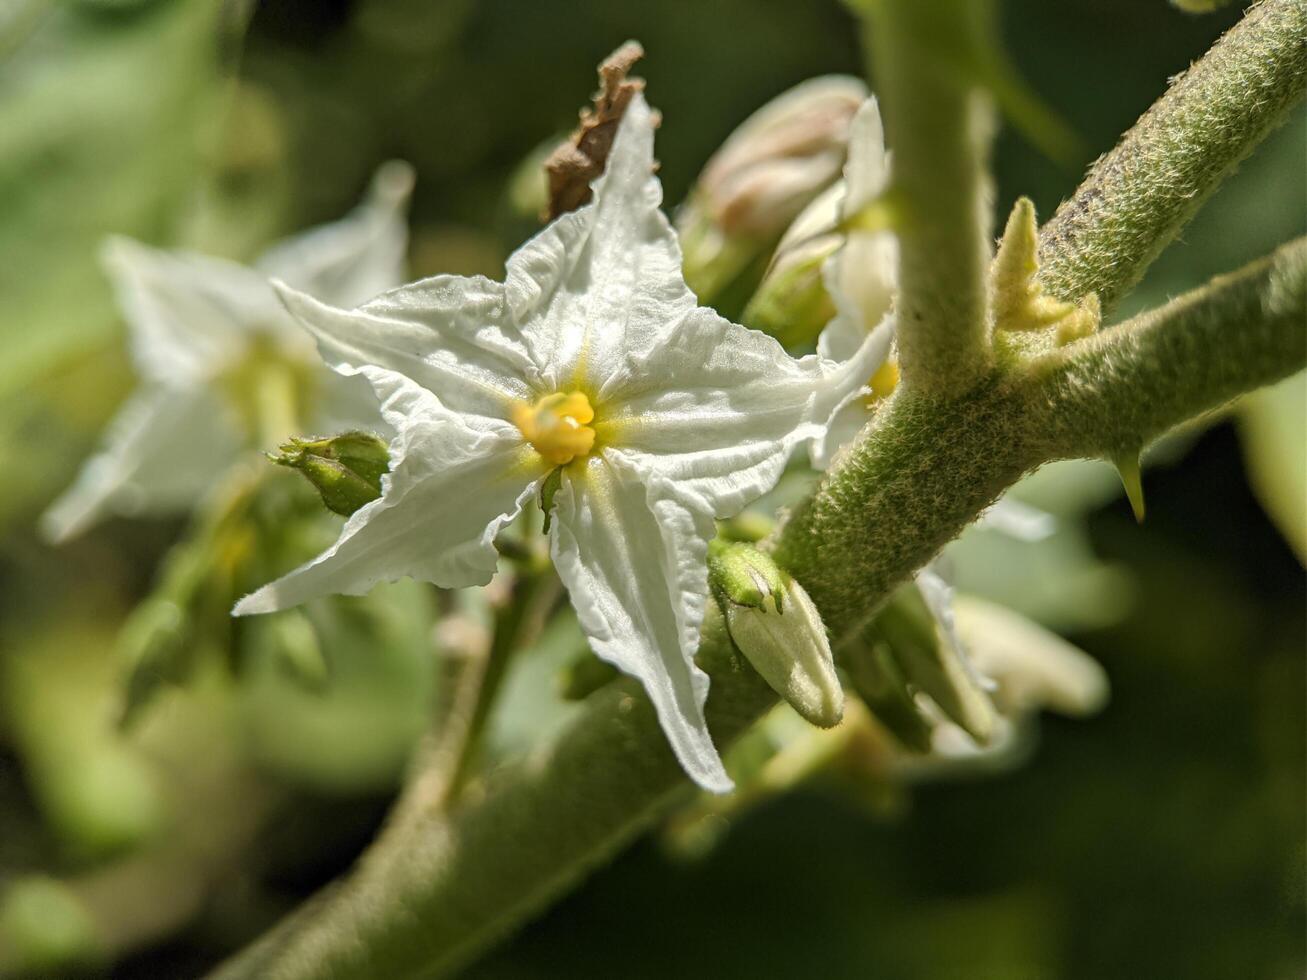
<point x="557" y="426"/>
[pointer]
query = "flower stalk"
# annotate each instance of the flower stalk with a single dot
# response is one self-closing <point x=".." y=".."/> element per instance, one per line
<point x="938" y="122"/>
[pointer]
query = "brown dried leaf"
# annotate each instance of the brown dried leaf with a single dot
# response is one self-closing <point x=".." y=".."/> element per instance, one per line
<point x="581" y="158"/>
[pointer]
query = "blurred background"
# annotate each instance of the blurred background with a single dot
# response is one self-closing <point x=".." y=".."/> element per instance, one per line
<point x="1164" y="837"/>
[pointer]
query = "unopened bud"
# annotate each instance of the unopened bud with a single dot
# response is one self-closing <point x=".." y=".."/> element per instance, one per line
<point x="777" y="162"/>
<point x="918" y="622"/>
<point x="879" y="681"/>
<point x="46" y="930"/>
<point x="781" y="157"/>
<point x="777" y="627"/>
<point x="346" y="469"/>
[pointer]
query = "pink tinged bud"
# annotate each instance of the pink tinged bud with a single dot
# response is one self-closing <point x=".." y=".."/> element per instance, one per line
<point x="781" y="157"/>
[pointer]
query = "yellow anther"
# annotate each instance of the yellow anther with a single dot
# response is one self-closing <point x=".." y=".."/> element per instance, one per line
<point x="557" y="426"/>
<point x="883" y="381"/>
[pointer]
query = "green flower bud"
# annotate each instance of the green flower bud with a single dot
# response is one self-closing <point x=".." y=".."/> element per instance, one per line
<point x="741" y="575"/>
<point x="879" y="681"/>
<point x="346" y="469"/>
<point x="909" y="628"/>
<point x="777" y="627"/>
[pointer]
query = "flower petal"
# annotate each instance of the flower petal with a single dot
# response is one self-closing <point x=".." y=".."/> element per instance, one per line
<point x="353" y="259"/>
<point x="633" y="558"/>
<point x="862" y="275"/>
<point x="446" y="333"/>
<point x="165" y="447"/>
<point x="189" y="315"/>
<point x="853" y="412"/>
<point x="718" y="409"/>
<point x="452" y="487"/>
<point x="603" y="283"/>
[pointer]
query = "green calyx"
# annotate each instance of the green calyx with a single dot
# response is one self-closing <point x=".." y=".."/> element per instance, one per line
<point x="741" y="575"/>
<point x="345" y="469"/>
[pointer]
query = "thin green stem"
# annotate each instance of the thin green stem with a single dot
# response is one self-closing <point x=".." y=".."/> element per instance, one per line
<point x="1138" y="197"/>
<point x="938" y="124"/>
<point x="517" y="624"/>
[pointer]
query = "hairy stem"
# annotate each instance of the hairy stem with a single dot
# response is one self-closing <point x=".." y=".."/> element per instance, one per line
<point x="1138" y="197"/>
<point x="1117" y="391"/>
<point x="937" y="122"/>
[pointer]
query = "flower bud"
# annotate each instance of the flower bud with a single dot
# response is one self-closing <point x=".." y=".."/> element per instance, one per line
<point x="918" y="623"/>
<point x="346" y="469"/>
<point x="46" y="930"/>
<point x="777" y="627"/>
<point x="776" y="163"/>
<point x="781" y="157"/>
<point x="792" y="302"/>
<point x="879" y="681"/>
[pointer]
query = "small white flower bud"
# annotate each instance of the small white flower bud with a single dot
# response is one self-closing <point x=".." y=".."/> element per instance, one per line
<point x="777" y="627"/>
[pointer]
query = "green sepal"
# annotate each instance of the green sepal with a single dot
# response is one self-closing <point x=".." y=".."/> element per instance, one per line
<point x="907" y="627"/>
<point x="345" y="469"/>
<point x="547" y="490"/>
<point x="741" y="575"/>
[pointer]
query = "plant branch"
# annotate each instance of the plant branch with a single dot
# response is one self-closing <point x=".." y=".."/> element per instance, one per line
<point x="1120" y="389"/>
<point x="938" y="124"/>
<point x="1138" y="197"/>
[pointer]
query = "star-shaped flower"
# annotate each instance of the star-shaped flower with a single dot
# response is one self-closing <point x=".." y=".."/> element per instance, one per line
<point x="209" y="339"/>
<point x="592" y="361"/>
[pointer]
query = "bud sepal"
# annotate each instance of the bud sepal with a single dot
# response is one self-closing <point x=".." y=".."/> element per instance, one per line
<point x="777" y="627"/>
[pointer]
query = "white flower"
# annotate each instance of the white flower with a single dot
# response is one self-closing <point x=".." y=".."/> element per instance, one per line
<point x="200" y="327"/>
<point x="860" y="278"/>
<point x="593" y="360"/>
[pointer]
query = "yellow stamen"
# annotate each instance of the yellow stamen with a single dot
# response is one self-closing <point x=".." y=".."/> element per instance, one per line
<point x="883" y="381"/>
<point x="557" y="426"/>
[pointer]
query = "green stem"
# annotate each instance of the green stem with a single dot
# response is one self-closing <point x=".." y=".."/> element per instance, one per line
<point x="938" y="125"/>
<point x="517" y="624"/>
<point x="1138" y="197"/>
<point x="1124" y="387"/>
